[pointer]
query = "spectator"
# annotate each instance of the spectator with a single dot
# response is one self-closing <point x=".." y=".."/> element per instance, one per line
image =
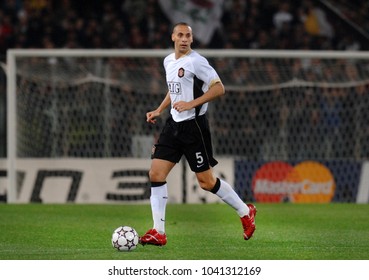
<point x="283" y="16"/>
<point x="6" y="31"/>
<point x="348" y="43"/>
<point x="315" y="20"/>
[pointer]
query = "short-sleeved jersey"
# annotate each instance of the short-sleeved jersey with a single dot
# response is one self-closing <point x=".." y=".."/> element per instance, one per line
<point x="188" y="78"/>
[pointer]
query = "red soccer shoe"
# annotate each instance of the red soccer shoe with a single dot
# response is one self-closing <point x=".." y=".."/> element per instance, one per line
<point x="248" y="222"/>
<point x="153" y="237"/>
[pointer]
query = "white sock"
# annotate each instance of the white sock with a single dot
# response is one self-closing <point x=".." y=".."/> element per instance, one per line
<point x="229" y="196"/>
<point x="158" y="199"/>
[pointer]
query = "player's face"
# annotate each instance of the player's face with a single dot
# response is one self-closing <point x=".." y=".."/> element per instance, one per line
<point x="182" y="38"/>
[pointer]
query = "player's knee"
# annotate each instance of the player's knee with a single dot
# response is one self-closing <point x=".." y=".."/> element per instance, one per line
<point x="152" y="175"/>
<point x="156" y="176"/>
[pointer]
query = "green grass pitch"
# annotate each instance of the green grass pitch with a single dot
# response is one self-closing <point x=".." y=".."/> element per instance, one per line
<point x="195" y="232"/>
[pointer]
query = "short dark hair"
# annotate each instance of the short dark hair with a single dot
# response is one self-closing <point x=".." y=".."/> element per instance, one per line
<point x="180" y="23"/>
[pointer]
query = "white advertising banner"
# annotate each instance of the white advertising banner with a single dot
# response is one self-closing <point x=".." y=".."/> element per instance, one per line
<point x="105" y="181"/>
<point x="88" y="181"/>
<point x="363" y="191"/>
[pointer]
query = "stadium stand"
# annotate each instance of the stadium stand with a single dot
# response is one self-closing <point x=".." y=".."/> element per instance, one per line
<point x="142" y="24"/>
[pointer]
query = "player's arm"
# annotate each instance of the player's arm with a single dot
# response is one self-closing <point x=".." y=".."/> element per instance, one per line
<point x="151" y="116"/>
<point x="215" y="90"/>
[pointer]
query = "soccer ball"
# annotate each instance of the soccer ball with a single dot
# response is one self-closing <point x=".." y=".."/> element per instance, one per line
<point x="125" y="238"/>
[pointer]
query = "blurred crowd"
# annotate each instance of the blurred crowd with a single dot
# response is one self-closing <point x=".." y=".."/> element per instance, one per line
<point x="248" y="24"/>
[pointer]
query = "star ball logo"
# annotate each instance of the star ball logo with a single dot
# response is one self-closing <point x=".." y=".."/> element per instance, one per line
<point x="306" y="182"/>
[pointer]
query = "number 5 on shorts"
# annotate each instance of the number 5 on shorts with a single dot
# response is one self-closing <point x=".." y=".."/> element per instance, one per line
<point x="199" y="159"/>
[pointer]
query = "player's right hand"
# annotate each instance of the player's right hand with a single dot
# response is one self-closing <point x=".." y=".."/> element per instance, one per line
<point x="151" y="117"/>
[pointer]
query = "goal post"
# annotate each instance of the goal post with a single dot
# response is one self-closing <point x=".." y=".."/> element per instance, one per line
<point x="280" y="105"/>
<point x="13" y="184"/>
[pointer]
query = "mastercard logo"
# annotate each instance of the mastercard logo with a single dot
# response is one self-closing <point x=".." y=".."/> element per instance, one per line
<point x="307" y="182"/>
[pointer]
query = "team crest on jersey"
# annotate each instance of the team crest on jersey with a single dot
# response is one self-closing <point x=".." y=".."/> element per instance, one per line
<point x="181" y="72"/>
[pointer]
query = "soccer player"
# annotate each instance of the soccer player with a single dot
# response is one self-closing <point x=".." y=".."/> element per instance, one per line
<point x="192" y="83"/>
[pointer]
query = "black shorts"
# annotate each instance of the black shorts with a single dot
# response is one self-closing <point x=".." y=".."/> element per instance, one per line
<point x="190" y="138"/>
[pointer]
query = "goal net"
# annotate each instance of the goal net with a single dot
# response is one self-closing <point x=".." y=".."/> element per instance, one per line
<point x="280" y="105"/>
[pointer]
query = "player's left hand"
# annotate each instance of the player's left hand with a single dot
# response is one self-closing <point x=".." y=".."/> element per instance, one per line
<point x="181" y="106"/>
